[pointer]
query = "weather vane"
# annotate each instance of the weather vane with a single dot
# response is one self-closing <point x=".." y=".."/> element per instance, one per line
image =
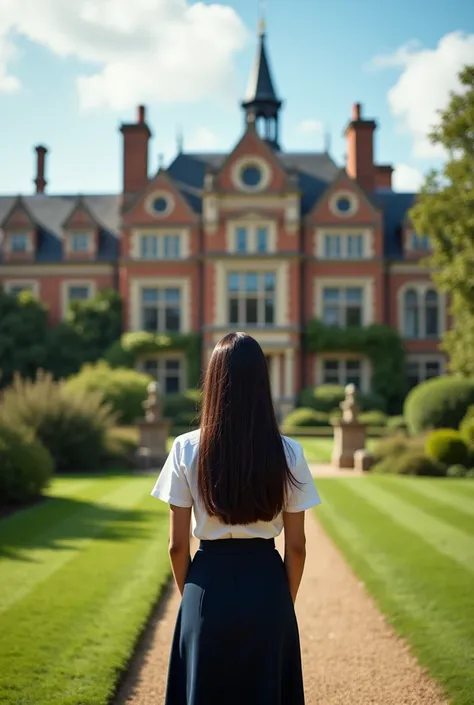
<point x="262" y="21"/>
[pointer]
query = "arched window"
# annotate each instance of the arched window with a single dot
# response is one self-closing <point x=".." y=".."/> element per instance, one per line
<point x="411" y="314"/>
<point x="431" y="314"/>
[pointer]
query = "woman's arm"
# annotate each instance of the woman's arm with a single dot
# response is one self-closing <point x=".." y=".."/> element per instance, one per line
<point x="295" y="549"/>
<point x="180" y="526"/>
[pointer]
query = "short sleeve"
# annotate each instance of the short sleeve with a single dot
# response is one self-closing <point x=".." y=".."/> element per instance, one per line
<point x="304" y="495"/>
<point x="172" y="485"/>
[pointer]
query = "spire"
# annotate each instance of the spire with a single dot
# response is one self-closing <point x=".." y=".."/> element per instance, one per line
<point x="261" y="99"/>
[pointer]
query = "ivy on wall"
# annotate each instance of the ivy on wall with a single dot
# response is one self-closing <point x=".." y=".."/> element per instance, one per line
<point x="381" y="344"/>
<point x="126" y="351"/>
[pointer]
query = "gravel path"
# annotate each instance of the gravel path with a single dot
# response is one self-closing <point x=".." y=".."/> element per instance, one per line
<point x="350" y="654"/>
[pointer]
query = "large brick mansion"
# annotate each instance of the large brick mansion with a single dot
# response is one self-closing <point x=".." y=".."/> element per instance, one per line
<point x="259" y="239"/>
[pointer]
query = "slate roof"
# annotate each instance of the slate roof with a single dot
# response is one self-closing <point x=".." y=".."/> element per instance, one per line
<point x="314" y="172"/>
<point x="394" y="206"/>
<point x="50" y="212"/>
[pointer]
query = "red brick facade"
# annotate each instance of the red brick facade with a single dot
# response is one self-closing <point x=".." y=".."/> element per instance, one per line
<point x="257" y="240"/>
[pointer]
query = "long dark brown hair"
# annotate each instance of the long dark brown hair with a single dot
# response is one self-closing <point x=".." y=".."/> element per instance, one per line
<point x="243" y="472"/>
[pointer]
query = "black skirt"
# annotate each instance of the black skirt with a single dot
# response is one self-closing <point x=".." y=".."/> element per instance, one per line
<point x="236" y="639"/>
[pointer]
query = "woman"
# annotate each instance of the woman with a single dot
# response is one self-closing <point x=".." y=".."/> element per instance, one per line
<point x="236" y="640"/>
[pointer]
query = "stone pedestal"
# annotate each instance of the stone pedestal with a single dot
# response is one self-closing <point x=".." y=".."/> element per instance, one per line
<point x="363" y="460"/>
<point x="153" y="436"/>
<point x="349" y="437"/>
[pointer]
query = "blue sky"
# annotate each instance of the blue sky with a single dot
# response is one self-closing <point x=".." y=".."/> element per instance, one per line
<point x="70" y="75"/>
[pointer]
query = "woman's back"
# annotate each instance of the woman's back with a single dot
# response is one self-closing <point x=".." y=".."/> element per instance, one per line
<point x="178" y="485"/>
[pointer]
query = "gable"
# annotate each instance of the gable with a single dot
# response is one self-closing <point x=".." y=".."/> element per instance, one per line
<point x="344" y="203"/>
<point x="18" y="217"/>
<point x="80" y="217"/>
<point x="252" y="167"/>
<point x="160" y="202"/>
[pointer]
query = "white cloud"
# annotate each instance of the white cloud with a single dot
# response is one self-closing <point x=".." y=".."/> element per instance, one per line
<point x="423" y="87"/>
<point x="145" y="50"/>
<point x="310" y="127"/>
<point x="202" y="139"/>
<point x="407" y="178"/>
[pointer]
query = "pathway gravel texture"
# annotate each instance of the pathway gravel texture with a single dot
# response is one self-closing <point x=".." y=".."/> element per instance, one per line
<point x="351" y="655"/>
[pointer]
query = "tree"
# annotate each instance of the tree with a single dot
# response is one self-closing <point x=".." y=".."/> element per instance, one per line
<point x="23" y="335"/>
<point x="445" y="212"/>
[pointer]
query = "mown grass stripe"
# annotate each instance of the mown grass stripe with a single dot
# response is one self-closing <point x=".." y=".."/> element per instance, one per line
<point x="62" y="540"/>
<point x="425" y="595"/>
<point x="417" y="494"/>
<point x="31" y="526"/>
<point x="461" y="487"/>
<point x="438" y="490"/>
<point x="86" y="616"/>
<point x="444" y="538"/>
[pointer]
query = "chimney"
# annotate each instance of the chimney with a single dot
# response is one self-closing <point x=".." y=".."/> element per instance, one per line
<point x="135" y="153"/>
<point x="360" y="149"/>
<point x="40" y="181"/>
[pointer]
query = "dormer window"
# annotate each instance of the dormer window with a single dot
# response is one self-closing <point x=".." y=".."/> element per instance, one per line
<point x="19" y="242"/>
<point x="79" y="241"/>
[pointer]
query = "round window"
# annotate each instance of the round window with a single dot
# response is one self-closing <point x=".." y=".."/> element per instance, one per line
<point x="343" y="204"/>
<point x="160" y="204"/>
<point x="251" y="176"/>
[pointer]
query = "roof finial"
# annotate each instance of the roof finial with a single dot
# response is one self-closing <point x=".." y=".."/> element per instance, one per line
<point x="262" y="20"/>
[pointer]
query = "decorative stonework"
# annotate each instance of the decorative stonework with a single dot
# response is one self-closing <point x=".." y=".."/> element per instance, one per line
<point x="349" y="433"/>
<point x="153" y="431"/>
<point x="160" y="204"/>
<point x="344" y="204"/>
<point x="248" y="162"/>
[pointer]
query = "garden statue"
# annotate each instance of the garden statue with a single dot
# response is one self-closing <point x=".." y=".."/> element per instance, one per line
<point x="153" y="431"/>
<point x="349" y="432"/>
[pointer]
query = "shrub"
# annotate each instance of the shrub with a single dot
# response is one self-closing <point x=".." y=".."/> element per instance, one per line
<point x="409" y="462"/>
<point x="121" y="442"/>
<point x="373" y="418"/>
<point x="175" y="405"/>
<point x="466" y="427"/>
<point x="457" y="471"/>
<point x="306" y="417"/>
<point x="393" y="446"/>
<point x="25" y="465"/>
<point x="72" y="427"/>
<point x="327" y="397"/>
<point x="397" y="423"/>
<point x="438" y="403"/>
<point x="124" y="389"/>
<point x="446" y="446"/>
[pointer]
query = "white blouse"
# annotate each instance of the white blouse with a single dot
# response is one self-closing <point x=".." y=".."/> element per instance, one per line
<point x="177" y="485"/>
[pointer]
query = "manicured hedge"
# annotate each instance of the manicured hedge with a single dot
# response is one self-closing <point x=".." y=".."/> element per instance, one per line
<point x="446" y="446"/>
<point x="438" y="403"/>
<point x="306" y="417"/>
<point x="327" y="397"/>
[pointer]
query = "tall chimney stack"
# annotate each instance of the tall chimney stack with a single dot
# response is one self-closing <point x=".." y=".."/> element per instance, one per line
<point x="360" y="149"/>
<point x="40" y="180"/>
<point x="135" y="153"/>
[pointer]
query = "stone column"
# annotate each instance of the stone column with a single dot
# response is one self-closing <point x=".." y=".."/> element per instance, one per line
<point x="289" y="373"/>
<point x="275" y="377"/>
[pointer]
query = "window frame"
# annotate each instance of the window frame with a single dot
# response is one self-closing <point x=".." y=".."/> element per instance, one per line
<point x="421" y="290"/>
<point x="161" y="360"/>
<point x="343" y="305"/>
<point x="161" y="306"/>
<point x="243" y="294"/>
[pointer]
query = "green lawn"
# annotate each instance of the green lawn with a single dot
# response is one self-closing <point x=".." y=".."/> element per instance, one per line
<point x="318" y="450"/>
<point x="80" y="573"/>
<point x="411" y="540"/>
